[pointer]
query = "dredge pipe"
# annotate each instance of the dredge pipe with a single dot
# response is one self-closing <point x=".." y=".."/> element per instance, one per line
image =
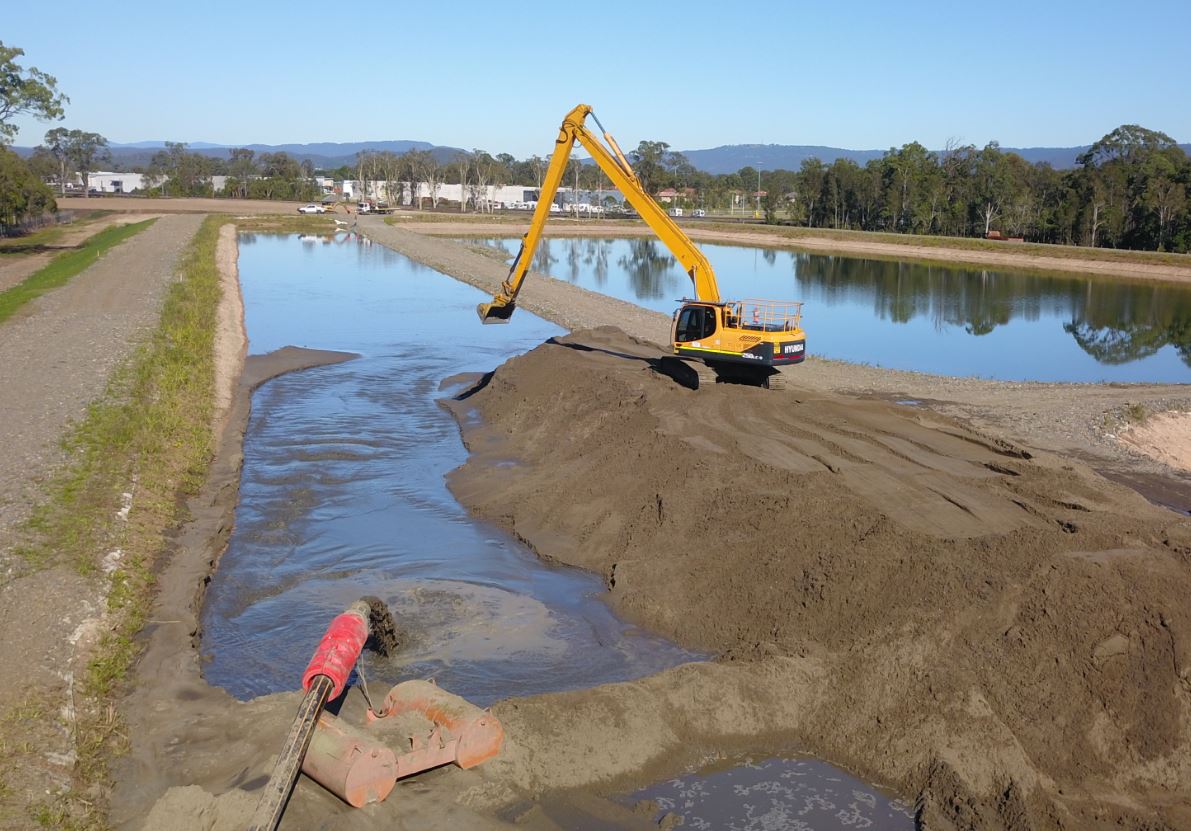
<point x="324" y="680"/>
<point x="289" y="762"/>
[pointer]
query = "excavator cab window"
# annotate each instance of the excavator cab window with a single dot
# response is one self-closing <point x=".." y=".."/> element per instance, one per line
<point x="694" y="323"/>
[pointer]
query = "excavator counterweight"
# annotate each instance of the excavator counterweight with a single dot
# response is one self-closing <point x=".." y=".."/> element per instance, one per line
<point x="746" y="341"/>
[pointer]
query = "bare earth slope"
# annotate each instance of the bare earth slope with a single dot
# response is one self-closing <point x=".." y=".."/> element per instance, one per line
<point x="1005" y="634"/>
<point x="1067" y="418"/>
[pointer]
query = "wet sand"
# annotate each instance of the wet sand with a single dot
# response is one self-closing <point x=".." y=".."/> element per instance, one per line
<point x="998" y="632"/>
<point x="1002" y="633"/>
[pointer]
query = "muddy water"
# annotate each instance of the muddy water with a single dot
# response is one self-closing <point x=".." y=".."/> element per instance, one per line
<point x="342" y="495"/>
<point x="949" y="321"/>
<point x="776" y="793"/>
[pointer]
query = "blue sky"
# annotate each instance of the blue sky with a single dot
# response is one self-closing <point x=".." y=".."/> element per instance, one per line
<point x="500" y="75"/>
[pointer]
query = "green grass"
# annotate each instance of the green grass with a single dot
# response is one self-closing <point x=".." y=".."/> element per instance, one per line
<point x="65" y="266"/>
<point x="35" y="241"/>
<point x="45" y="237"/>
<point x="148" y="435"/>
<point x="293" y="223"/>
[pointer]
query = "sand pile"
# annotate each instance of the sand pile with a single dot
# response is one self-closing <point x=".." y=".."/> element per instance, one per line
<point x="1006" y="635"/>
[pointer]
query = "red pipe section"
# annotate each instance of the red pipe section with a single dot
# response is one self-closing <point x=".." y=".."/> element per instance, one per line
<point x="338" y="651"/>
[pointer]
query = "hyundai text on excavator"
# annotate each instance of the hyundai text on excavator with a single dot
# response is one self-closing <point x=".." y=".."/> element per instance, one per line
<point x="745" y="341"/>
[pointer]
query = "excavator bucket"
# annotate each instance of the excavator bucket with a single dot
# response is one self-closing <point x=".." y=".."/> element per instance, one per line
<point x="495" y="312"/>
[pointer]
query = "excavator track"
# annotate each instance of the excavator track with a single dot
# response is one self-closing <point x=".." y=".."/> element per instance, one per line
<point x="692" y="374"/>
<point x="776" y="381"/>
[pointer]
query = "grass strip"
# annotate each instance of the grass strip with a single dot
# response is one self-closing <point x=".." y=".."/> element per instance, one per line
<point x="31" y="242"/>
<point x="141" y="449"/>
<point x="62" y="268"/>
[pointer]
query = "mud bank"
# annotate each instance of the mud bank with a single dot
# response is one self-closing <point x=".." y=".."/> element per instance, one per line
<point x="197" y="756"/>
<point x="170" y="699"/>
<point x="1003" y="633"/>
<point x="1061" y="417"/>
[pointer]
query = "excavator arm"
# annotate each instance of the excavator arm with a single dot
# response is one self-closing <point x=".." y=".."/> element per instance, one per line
<point x="613" y="162"/>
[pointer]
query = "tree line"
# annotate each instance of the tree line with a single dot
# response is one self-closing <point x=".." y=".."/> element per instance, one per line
<point x="23" y="193"/>
<point x="1131" y="189"/>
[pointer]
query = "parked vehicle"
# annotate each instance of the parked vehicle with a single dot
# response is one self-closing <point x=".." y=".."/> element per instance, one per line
<point x="699" y="212"/>
<point x="312" y="209"/>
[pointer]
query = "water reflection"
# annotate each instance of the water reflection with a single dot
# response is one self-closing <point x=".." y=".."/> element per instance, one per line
<point x="651" y="269"/>
<point x="342" y="495"/>
<point x="776" y="793"/>
<point x="952" y="321"/>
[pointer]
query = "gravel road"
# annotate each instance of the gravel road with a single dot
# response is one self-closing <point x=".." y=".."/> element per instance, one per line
<point x="55" y="357"/>
<point x="16" y="267"/>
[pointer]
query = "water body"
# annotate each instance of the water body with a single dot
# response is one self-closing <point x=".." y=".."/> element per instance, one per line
<point x="790" y="794"/>
<point x="342" y="495"/>
<point x="990" y="324"/>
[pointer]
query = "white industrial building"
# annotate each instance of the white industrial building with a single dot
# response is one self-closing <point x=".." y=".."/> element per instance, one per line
<point x="496" y="195"/>
<point x="105" y="182"/>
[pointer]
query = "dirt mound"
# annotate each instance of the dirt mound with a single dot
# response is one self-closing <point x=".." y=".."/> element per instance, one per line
<point x="1006" y="635"/>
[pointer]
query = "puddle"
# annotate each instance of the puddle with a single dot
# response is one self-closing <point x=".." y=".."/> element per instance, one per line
<point x="788" y="794"/>
<point x="342" y="495"/>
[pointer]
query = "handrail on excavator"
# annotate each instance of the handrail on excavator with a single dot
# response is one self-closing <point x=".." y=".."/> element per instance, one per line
<point x="616" y="166"/>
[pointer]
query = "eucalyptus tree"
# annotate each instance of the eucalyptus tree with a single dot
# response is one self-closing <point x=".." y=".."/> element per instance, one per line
<point x="55" y="145"/>
<point x="85" y="150"/>
<point x="25" y="92"/>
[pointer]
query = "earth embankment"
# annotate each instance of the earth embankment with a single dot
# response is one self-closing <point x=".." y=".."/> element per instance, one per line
<point x="1003" y="632"/>
<point x="1071" y="419"/>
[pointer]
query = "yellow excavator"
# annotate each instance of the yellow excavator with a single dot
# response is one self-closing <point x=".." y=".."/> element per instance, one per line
<point x="743" y="341"/>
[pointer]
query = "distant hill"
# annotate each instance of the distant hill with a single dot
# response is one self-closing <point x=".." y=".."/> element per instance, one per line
<point x="732" y="157"/>
<point x="726" y="159"/>
<point x="324" y="155"/>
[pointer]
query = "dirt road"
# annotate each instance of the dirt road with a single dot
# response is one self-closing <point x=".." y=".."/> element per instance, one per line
<point x="16" y="267"/>
<point x="187" y="206"/>
<point x="1036" y="258"/>
<point x="55" y="357"/>
<point x="1009" y="258"/>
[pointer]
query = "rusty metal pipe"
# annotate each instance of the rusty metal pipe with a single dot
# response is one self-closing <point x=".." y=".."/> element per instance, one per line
<point x="349" y="763"/>
<point x="289" y="761"/>
<point x="324" y="680"/>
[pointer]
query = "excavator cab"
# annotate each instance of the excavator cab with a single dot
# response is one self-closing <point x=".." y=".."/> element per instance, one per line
<point x="743" y="341"/>
<point x="746" y="341"/>
<point x="695" y="322"/>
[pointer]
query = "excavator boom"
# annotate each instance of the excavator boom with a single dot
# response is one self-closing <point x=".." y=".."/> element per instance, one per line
<point x="742" y="340"/>
<point x="616" y="167"/>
